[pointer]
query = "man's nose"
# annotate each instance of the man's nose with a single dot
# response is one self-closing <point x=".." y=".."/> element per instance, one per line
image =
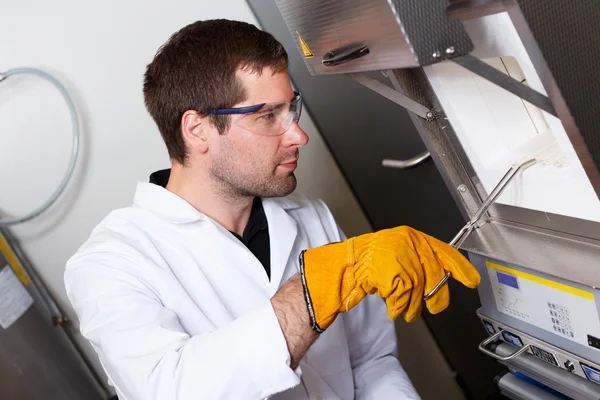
<point x="295" y="136"/>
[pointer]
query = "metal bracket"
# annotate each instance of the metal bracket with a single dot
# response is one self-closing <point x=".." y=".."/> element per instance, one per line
<point x="470" y="201"/>
<point x="506" y="82"/>
<point x="393" y="95"/>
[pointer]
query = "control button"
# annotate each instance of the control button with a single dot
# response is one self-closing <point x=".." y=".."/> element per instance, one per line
<point x="591" y="373"/>
<point x="593" y="341"/>
<point x="489" y="327"/>
<point x="569" y="366"/>
<point x="512" y="339"/>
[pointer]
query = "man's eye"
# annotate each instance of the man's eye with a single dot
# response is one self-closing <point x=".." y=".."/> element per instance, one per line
<point x="270" y="117"/>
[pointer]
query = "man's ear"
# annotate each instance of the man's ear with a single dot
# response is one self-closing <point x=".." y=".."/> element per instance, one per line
<point x="194" y="131"/>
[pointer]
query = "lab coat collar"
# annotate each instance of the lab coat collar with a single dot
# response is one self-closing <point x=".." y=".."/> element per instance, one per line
<point x="165" y="204"/>
<point x="175" y="209"/>
<point x="283" y="228"/>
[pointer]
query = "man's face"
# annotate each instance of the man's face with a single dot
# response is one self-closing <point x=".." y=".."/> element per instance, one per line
<point x="245" y="163"/>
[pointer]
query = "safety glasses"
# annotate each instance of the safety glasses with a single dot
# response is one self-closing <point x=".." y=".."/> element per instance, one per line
<point x="268" y="119"/>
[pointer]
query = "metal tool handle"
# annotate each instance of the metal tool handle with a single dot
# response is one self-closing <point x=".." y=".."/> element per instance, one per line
<point x="333" y="57"/>
<point x="409" y="163"/>
<point x="468" y="228"/>
<point x="510" y="174"/>
<point x="483" y="348"/>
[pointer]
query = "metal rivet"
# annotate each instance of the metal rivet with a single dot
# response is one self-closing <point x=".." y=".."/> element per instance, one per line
<point x="437" y="54"/>
<point x="450" y="50"/>
<point x="462" y="189"/>
<point x="429" y="115"/>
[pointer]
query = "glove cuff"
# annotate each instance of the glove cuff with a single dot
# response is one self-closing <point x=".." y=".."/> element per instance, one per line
<point x="311" y="311"/>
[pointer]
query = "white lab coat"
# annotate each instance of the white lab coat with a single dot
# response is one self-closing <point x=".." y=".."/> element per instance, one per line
<point x="177" y="308"/>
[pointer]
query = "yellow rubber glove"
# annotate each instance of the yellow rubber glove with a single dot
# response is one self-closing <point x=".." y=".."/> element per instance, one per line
<point x="400" y="264"/>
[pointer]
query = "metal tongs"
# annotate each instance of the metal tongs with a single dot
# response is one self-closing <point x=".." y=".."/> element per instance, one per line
<point x="473" y="222"/>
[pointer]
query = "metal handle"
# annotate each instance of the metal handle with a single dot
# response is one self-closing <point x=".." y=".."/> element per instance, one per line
<point x="405" y="164"/>
<point x="469" y="226"/>
<point x="333" y="57"/>
<point x="456" y="242"/>
<point x="494" y="337"/>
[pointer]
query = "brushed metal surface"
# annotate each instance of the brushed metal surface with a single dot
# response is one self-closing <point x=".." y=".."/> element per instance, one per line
<point x="553" y="222"/>
<point x="39" y="361"/>
<point x="572" y="258"/>
<point x="36" y="362"/>
<point x="331" y="25"/>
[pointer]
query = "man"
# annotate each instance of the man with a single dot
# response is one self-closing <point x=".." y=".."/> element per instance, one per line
<point x="215" y="283"/>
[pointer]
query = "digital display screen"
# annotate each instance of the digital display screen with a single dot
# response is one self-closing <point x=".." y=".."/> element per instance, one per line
<point x="508" y="280"/>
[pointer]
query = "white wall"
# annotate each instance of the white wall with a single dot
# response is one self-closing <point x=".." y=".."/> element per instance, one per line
<point x="99" y="50"/>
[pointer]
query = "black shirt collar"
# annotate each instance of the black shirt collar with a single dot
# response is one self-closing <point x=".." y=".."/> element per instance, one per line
<point x="160" y="178"/>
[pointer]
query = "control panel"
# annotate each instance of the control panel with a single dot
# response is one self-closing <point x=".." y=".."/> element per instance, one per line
<point x="544" y="351"/>
<point x="560" y="309"/>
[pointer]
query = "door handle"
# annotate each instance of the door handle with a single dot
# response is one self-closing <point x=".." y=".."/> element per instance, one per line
<point x="409" y="163"/>
<point x="344" y="55"/>
<point x="483" y="348"/>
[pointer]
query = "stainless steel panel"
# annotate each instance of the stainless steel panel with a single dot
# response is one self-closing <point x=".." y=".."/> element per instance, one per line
<point x="572" y="258"/>
<point x="370" y="35"/>
<point x="39" y="361"/>
<point x="333" y="25"/>
<point x="553" y="222"/>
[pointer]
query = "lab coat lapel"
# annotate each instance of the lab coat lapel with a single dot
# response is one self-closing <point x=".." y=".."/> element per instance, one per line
<point x="249" y="265"/>
<point x="283" y="230"/>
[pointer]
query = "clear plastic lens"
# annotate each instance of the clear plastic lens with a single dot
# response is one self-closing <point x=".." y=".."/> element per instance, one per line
<point x="272" y="119"/>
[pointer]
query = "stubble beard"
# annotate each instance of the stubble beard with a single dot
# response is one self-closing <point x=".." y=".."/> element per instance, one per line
<point x="234" y="186"/>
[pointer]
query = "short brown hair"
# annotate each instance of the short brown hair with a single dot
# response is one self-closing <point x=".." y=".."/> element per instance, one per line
<point x="196" y="70"/>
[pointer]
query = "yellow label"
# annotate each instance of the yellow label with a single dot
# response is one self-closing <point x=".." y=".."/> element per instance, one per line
<point x="304" y="46"/>
<point x="13" y="261"/>
<point x="542" y="281"/>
